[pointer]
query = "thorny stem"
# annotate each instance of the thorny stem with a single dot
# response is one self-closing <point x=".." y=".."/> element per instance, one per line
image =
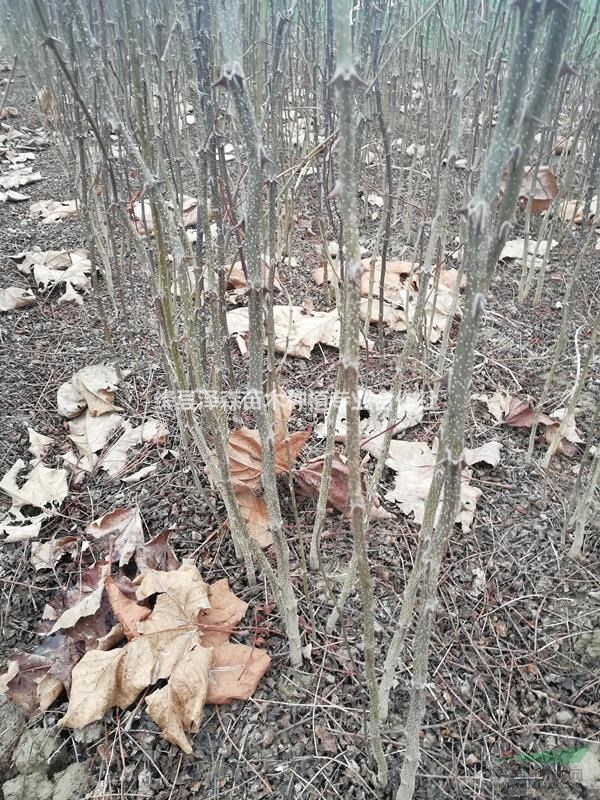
<point x="233" y="78"/>
<point x="345" y="80"/>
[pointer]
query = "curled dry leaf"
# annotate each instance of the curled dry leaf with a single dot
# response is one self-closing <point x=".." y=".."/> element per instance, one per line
<point x="45" y="555"/>
<point x="142" y="473"/>
<point x="515" y="249"/>
<point x="90" y="434"/>
<point x="13" y="298"/>
<point x="92" y="387"/>
<point x="19" y="528"/>
<point x="13" y="197"/>
<point x="400" y="294"/>
<point x="39" y="445"/>
<point x="236" y="284"/>
<point x="245" y="458"/>
<point x="19" y="177"/>
<point x="178" y="707"/>
<point x="150" y="432"/>
<point x="498" y="404"/>
<point x="569" y="439"/>
<point x="414" y="463"/>
<point x="141" y="211"/>
<point x="309" y="476"/>
<point x="52" y="267"/>
<point x="97" y="385"/>
<point x="488" y="453"/>
<point x="50" y="212"/>
<point x="44" y="487"/>
<point x="183" y="587"/>
<point x="156" y="554"/>
<point x="28" y="681"/>
<point x="245" y="466"/>
<point x="541" y="187"/>
<point x="572" y="211"/>
<point x="373" y="412"/>
<point x="70" y="296"/>
<point x="296" y="332"/>
<point x="521" y="414"/>
<point x="126" y="526"/>
<point x="8" y="112"/>
<point x="86" y="607"/>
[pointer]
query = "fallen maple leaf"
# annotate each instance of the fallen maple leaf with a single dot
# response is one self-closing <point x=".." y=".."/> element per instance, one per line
<point x="373" y="410"/>
<point x="235" y="672"/>
<point x="45" y="555"/>
<point x="414" y="464"/>
<point x="521" y="414"/>
<point x="28" y="681"/>
<point x="168" y="646"/>
<point x="90" y="434"/>
<point x="572" y="211"/>
<point x="14" y="298"/>
<point x="141" y="212"/>
<point x="52" y="267"/>
<point x="39" y="445"/>
<point x="400" y="295"/>
<point x="226" y="610"/>
<point x="156" y="554"/>
<point x="92" y="387"/>
<point x="19" y="177"/>
<point x="244" y="450"/>
<point x="255" y="514"/>
<point x="515" y="249"/>
<point x="116" y="459"/>
<point x="543" y="189"/>
<point x="296" y="332"/>
<point x="125" y="525"/>
<point x="309" y="477"/>
<point x="52" y="211"/>
<point x="44" y="488"/>
<point x="127" y="611"/>
<point x="86" y="607"/>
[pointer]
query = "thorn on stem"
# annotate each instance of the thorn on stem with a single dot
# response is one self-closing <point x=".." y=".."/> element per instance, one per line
<point x="347" y="74"/>
<point x="566" y="69"/>
<point x="477" y="215"/>
<point x="514" y="157"/>
<point x="505" y="231"/>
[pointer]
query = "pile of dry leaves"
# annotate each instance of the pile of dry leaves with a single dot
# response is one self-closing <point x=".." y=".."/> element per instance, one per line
<point x="139" y="624"/>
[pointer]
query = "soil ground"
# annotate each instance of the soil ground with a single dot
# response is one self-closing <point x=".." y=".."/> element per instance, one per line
<point x="508" y="671"/>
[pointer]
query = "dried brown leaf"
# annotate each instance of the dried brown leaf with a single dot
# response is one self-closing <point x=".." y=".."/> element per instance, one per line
<point x="183" y="587"/>
<point x="45" y="555"/>
<point x="156" y="554"/>
<point x="309" y="477"/>
<point x="543" y="189"/>
<point x="521" y="414"/>
<point x="245" y="458"/>
<point x="125" y="525"/>
<point x="235" y="672"/>
<point x="226" y="610"/>
<point x="254" y="511"/>
<point x="127" y="611"/>
<point x="87" y="606"/>
<point x="178" y="707"/>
